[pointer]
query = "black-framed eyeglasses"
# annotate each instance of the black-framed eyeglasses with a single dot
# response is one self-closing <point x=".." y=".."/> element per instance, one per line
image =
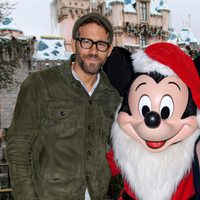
<point x="88" y="43"/>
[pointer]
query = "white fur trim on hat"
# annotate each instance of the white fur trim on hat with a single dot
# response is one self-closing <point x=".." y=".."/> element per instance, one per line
<point x="144" y="64"/>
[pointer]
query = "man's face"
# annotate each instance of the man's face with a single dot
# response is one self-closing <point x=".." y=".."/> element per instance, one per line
<point x="91" y="60"/>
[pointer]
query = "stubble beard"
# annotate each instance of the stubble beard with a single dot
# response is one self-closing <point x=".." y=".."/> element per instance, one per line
<point x="91" y="68"/>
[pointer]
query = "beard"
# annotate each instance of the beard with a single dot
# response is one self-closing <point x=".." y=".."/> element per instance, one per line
<point x="152" y="176"/>
<point x="89" y="68"/>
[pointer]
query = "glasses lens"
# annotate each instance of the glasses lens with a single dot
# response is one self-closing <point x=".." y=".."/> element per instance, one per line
<point x="102" y="46"/>
<point x="86" y="44"/>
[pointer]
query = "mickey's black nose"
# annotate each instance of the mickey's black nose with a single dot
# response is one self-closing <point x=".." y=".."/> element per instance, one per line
<point x="152" y="119"/>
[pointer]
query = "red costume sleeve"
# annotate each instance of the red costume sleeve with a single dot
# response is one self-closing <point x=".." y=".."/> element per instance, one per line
<point x="113" y="167"/>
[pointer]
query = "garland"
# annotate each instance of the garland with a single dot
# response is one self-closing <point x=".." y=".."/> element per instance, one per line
<point x="13" y="42"/>
<point x="115" y="187"/>
<point x="11" y="50"/>
<point x="146" y="30"/>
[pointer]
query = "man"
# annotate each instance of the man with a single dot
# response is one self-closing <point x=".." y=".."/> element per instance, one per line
<point x="58" y="138"/>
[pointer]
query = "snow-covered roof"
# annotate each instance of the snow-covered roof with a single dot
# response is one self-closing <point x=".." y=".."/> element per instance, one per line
<point x="153" y="8"/>
<point x="22" y="37"/>
<point x="108" y="5"/>
<point x="130" y="1"/>
<point x="128" y="5"/>
<point x="129" y="8"/>
<point x="187" y="36"/>
<point x="162" y="6"/>
<point x="51" y="48"/>
<point x="9" y="24"/>
<point x="173" y="36"/>
<point x="111" y="1"/>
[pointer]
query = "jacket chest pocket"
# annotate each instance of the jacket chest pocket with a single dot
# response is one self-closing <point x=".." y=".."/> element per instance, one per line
<point x="59" y="120"/>
<point x="59" y="110"/>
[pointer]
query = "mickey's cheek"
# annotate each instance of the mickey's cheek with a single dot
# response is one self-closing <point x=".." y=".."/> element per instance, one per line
<point x="190" y="125"/>
<point x="128" y="123"/>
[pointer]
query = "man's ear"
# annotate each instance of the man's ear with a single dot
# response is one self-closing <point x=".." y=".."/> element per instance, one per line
<point x="110" y="50"/>
<point x="73" y="44"/>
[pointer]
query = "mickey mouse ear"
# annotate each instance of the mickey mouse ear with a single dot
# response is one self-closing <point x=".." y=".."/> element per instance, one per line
<point x="119" y="69"/>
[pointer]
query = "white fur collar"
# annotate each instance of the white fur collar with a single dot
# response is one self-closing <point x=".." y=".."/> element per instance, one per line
<point x="152" y="176"/>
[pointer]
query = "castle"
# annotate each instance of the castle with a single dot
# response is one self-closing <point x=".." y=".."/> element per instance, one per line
<point x="136" y="23"/>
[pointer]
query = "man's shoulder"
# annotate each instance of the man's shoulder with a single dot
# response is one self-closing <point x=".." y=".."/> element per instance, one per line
<point x="51" y="70"/>
<point x="46" y="76"/>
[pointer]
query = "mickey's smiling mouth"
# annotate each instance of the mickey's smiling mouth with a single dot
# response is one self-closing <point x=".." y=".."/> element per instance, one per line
<point x="155" y="144"/>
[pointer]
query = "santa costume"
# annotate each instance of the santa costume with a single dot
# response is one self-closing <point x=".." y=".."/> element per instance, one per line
<point x="155" y="134"/>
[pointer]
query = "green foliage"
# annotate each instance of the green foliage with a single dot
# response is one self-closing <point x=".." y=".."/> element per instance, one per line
<point x="116" y="185"/>
<point x="11" y="51"/>
<point x="7" y="69"/>
<point x="6" y="196"/>
<point x="11" y="48"/>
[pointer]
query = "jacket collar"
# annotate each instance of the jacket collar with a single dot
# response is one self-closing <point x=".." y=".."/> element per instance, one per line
<point x="66" y="72"/>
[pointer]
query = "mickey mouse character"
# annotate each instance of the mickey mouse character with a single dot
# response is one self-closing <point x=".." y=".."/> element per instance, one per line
<point x="156" y="131"/>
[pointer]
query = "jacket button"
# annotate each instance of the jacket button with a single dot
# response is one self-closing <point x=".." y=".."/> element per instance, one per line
<point x="90" y="101"/>
<point x="89" y="127"/>
<point x="89" y="153"/>
<point x="62" y="113"/>
<point x="87" y="178"/>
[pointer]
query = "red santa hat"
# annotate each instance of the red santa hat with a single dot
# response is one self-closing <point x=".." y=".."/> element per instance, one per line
<point x="169" y="60"/>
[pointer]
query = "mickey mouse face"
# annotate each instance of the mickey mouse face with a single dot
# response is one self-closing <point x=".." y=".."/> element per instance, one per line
<point x="156" y="110"/>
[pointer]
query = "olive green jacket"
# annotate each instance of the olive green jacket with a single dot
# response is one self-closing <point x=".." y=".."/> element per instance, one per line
<point x="58" y="138"/>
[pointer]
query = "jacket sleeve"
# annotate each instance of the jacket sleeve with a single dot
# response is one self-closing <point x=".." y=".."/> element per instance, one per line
<point x="20" y="139"/>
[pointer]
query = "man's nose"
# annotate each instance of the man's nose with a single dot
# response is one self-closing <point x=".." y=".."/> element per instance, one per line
<point x="93" y="49"/>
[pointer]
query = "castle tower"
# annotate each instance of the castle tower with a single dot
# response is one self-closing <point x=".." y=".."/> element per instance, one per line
<point x="68" y="12"/>
<point x="165" y="12"/>
<point x="101" y="6"/>
<point x="117" y="19"/>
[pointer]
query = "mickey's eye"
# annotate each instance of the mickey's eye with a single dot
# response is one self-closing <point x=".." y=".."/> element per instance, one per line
<point x="166" y="107"/>
<point x="144" y="105"/>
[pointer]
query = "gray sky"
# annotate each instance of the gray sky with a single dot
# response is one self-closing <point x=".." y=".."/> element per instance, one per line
<point x="33" y="16"/>
<point x="185" y="11"/>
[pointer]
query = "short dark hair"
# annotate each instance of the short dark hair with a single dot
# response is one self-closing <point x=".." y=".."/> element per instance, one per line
<point x="96" y="18"/>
